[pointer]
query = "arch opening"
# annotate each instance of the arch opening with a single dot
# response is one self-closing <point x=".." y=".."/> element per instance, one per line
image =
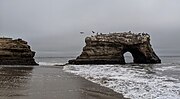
<point x="133" y="55"/>
<point x="128" y="58"/>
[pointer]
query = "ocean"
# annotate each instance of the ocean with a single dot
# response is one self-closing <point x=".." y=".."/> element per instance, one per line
<point x="135" y="81"/>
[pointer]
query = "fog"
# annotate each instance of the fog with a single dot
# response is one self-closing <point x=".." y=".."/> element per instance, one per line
<point x="52" y="27"/>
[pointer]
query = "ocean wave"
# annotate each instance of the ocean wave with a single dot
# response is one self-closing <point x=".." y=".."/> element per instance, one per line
<point x="134" y="82"/>
<point x="168" y="68"/>
<point x="50" y="64"/>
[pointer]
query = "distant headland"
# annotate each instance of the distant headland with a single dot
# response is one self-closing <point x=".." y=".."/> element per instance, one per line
<point x="110" y="49"/>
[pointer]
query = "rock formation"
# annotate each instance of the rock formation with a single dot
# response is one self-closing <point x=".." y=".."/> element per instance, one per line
<point x="15" y="52"/>
<point x="109" y="49"/>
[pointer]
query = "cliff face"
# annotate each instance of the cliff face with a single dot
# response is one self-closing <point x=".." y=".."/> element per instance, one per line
<point x="15" y="52"/>
<point x="110" y="48"/>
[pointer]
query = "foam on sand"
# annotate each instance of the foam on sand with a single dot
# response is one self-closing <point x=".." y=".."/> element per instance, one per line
<point x="135" y="82"/>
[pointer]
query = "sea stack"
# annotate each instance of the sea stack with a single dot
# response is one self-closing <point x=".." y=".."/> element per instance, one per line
<point x="110" y="49"/>
<point x="15" y="52"/>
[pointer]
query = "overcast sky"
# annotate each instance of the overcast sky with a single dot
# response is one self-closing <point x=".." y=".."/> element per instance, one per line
<point x="52" y="26"/>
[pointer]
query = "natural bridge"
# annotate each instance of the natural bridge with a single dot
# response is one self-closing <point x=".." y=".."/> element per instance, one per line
<point x="110" y="49"/>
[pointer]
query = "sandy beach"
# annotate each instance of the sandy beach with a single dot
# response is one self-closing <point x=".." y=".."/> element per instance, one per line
<point x="49" y="82"/>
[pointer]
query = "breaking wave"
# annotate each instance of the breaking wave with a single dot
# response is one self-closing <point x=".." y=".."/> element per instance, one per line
<point x="50" y="64"/>
<point x="135" y="81"/>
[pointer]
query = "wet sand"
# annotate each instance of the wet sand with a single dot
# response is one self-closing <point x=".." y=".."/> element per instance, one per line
<point x="47" y="82"/>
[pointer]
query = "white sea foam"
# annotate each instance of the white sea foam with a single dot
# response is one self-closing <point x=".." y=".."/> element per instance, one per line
<point x="168" y="68"/>
<point x="49" y="63"/>
<point x="133" y="81"/>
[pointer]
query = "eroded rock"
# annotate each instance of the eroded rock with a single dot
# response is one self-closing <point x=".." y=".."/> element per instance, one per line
<point x="110" y="49"/>
<point x="15" y="52"/>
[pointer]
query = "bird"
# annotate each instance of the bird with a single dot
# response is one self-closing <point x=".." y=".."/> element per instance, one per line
<point x="93" y="32"/>
<point x="81" y="32"/>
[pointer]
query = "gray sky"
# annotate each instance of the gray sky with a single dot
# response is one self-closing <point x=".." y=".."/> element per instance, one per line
<point x="52" y="26"/>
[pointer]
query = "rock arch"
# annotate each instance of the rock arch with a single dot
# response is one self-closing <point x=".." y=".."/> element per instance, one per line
<point x="110" y="49"/>
<point x="138" y="56"/>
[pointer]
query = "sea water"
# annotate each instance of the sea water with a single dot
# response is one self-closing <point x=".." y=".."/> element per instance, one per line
<point x="136" y="81"/>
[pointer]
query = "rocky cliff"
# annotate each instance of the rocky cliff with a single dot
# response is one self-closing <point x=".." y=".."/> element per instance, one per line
<point x="15" y="52"/>
<point x="110" y="49"/>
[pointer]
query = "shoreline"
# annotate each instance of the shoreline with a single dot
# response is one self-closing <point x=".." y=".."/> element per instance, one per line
<point x="49" y="82"/>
